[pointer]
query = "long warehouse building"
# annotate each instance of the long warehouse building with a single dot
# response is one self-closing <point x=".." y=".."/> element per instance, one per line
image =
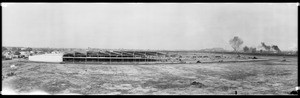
<point x="101" y="57"/>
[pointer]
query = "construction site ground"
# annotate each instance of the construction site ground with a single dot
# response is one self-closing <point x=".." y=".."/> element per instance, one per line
<point x="273" y="76"/>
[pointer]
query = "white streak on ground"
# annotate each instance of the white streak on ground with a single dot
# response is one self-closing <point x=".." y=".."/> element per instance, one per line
<point x="10" y="91"/>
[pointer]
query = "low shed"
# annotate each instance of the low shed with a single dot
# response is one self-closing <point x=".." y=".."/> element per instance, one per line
<point x="47" y="58"/>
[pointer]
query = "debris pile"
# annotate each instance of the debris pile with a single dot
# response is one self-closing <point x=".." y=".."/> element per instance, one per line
<point x="197" y="84"/>
<point x="295" y="92"/>
<point x="10" y="74"/>
<point x="254" y="57"/>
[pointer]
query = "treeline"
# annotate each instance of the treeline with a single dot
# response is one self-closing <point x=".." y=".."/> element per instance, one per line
<point x="261" y="54"/>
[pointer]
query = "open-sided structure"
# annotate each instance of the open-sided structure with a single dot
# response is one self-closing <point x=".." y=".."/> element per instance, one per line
<point x="113" y="56"/>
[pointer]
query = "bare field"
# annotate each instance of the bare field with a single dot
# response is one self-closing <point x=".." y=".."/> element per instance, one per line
<point x="263" y="77"/>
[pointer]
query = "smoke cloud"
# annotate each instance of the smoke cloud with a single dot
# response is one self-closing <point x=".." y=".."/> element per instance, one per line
<point x="268" y="48"/>
<point x="275" y="47"/>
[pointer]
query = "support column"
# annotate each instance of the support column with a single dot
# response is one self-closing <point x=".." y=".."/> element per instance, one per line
<point x="98" y="57"/>
<point x="145" y="58"/>
<point x="134" y="58"/>
<point x="156" y="59"/>
<point x="74" y="57"/>
<point x="122" y="58"/>
<point x="85" y="57"/>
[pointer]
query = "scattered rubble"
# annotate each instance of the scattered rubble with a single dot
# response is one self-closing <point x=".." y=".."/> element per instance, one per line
<point x="114" y="86"/>
<point x="13" y="66"/>
<point x="10" y="74"/>
<point x="197" y="84"/>
<point x="295" y="92"/>
<point x="284" y="59"/>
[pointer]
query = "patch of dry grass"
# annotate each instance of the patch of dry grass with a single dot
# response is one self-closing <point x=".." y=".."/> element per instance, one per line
<point x="25" y="84"/>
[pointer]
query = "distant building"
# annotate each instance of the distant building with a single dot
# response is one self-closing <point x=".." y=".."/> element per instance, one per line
<point x="47" y="58"/>
<point x="25" y="54"/>
<point x="23" y="49"/>
<point x="55" y="52"/>
<point x="100" y="57"/>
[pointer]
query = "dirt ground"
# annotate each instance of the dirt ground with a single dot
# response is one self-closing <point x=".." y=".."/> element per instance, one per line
<point x="275" y="77"/>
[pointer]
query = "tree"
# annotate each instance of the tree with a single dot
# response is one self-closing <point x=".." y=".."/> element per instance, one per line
<point x="4" y="48"/>
<point x="235" y="43"/>
<point x="260" y="51"/>
<point x="3" y="57"/>
<point x="246" y="49"/>
<point x="253" y="50"/>
<point x="28" y="49"/>
<point x="17" y="53"/>
<point x="15" y="49"/>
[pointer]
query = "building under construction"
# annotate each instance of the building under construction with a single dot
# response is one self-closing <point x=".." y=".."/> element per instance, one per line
<point x="104" y="57"/>
<point x="113" y="56"/>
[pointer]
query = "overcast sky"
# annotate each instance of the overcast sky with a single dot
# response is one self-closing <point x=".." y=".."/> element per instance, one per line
<point x="148" y="26"/>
